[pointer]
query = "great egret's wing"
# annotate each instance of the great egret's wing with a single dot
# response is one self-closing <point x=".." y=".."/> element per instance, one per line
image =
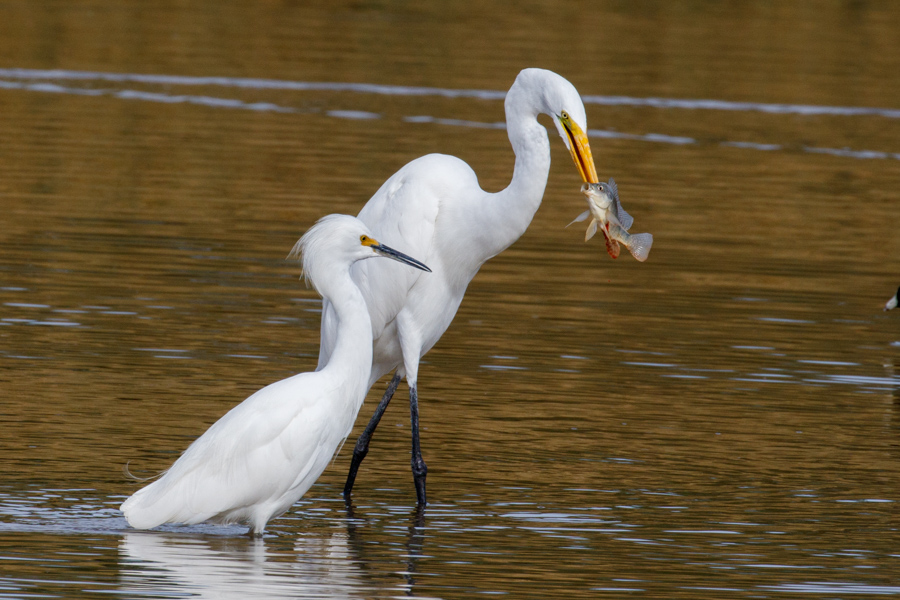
<point x="401" y="214"/>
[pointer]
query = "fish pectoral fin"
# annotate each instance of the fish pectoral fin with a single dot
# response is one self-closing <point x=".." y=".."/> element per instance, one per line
<point x="591" y="230"/>
<point x="580" y="217"/>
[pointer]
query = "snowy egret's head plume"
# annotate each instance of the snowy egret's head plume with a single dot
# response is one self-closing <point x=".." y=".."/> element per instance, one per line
<point x="337" y="241"/>
<point x="560" y="100"/>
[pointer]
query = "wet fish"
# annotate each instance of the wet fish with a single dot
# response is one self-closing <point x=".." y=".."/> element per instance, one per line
<point x="610" y="218"/>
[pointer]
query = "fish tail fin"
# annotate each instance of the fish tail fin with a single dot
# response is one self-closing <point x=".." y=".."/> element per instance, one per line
<point x="639" y="245"/>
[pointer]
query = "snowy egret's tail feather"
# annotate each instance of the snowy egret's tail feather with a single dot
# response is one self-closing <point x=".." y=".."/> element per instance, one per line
<point x="639" y="245"/>
<point x="127" y="471"/>
<point x="138" y="514"/>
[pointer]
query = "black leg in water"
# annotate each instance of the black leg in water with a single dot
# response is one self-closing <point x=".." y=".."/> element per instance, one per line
<point x="419" y="469"/>
<point x="362" y="444"/>
<point x="415" y="543"/>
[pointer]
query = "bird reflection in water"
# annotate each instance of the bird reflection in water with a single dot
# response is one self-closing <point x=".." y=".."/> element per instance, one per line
<point x="415" y="541"/>
<point x="318" y="566"/>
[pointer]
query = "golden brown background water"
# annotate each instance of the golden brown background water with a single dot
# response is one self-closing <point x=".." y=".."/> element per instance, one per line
<point x="720" y="421"/>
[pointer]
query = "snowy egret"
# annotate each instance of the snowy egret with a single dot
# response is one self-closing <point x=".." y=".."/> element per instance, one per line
<point x="434" y="208"/>
<point x="261" y="457"/>
<point x="892" y="303"/>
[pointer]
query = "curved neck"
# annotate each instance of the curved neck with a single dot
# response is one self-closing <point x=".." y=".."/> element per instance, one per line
<point x="512" y="209"/>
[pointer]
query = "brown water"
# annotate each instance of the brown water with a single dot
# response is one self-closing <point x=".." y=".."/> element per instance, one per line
<point x="720" y="421"/>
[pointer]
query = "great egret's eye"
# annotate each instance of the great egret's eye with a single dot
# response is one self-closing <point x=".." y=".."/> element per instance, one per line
<point x="564" y="115"/>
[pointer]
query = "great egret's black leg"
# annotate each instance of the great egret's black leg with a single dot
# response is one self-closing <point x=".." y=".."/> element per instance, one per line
<point x="419" y="469"/>
<point x="362" y="444"/>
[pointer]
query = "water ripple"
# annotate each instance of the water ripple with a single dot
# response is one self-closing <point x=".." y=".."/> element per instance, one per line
<point x="401" y="90"/>
<point x="43" y="76"/>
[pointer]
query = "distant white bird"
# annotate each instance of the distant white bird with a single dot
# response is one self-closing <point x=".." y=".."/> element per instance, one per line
<point x="256" y="461"/>
<point x="434" y="208"/>
<point x="892" y="303"/>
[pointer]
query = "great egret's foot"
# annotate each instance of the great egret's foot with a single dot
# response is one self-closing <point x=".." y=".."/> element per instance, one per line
<point x="362" y="444"/>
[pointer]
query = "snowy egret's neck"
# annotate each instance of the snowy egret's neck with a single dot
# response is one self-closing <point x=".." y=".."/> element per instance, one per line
<point x="352" y="354"/>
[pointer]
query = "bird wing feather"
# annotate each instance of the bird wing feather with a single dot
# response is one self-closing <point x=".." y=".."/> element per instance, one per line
<point x="402" y="214"/>
<point x="259" y="450"/>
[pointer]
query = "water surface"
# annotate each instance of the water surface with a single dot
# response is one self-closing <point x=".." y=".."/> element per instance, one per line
<point x="720" y="421"/>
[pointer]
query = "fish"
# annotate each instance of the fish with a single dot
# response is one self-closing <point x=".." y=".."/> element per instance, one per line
<point x="611" y="218"/>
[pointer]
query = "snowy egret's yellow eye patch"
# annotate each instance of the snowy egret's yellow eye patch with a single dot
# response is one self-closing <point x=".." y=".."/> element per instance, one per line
<point x="367" y="241"/>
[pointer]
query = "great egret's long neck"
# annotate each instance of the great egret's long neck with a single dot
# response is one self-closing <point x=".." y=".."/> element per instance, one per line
<point x="512" y="209"/>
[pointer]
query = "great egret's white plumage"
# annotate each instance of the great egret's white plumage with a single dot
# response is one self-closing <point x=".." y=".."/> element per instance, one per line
<point x="435" y="209"/>
<point x="261" y="457"/>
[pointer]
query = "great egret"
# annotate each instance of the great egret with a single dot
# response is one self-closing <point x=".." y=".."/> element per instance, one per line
<point x="435" y="208"/>
<point x="261" y="457"/>
<point x="892" y="303"/>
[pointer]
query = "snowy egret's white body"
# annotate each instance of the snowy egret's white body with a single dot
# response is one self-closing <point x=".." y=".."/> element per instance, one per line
<point x="261" y="457"/>
<point x="434" y="208"/>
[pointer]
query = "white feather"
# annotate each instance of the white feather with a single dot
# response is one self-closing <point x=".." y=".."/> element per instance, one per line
<point x="265" y="453"/>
